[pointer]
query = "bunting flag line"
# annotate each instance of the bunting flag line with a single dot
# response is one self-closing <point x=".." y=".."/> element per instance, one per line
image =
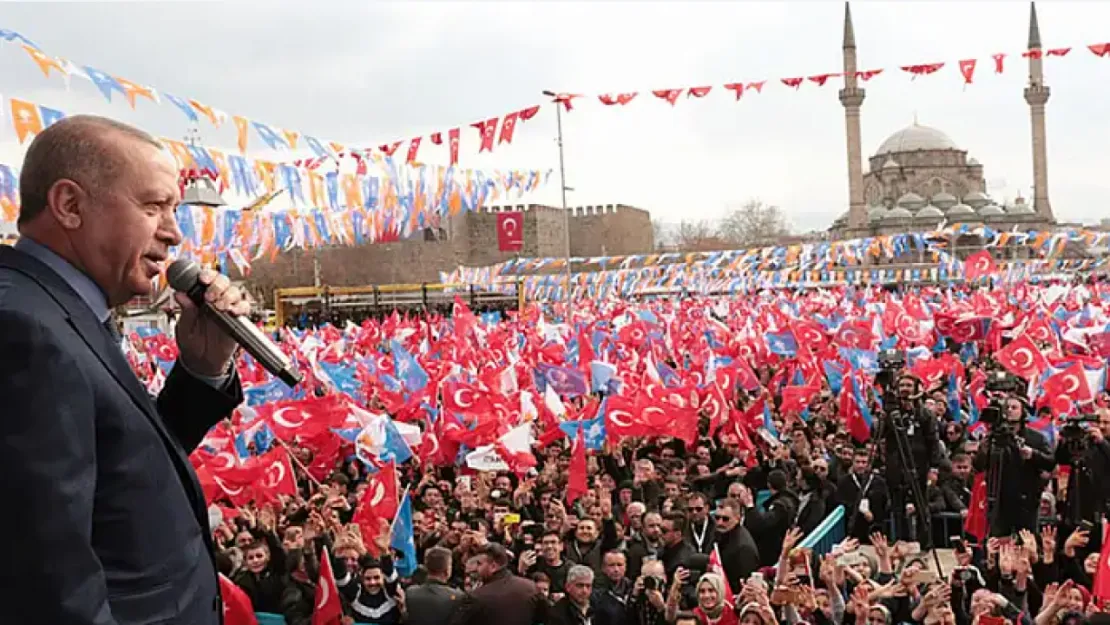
<point x="845" y="262"/>
<point x="387" y="202"/>
<point x="738" y="89"/>
<point x="273" y="137"/>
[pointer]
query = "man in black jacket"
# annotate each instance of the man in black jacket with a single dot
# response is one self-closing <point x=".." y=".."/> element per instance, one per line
<point x="769" y="526"/>
<point x="699" y="529"/>
<point x="503" y="598"/>
<point x="676" y="551"/>
<point x="433" y="602"/>
<point x="1025" y="460"/>
<point x="611" y="591"/>
<point x="918" y="427"/>
<point x="739" y="555"/>
<point x="863" y="494"/>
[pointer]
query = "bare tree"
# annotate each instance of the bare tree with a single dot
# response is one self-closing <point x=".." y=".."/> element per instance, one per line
<point x="661" y="235"/>
<point x="697" y="236"/>
<point x="753" y="223"/>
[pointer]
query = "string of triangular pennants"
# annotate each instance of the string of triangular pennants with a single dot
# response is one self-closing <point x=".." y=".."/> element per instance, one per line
<point x="809" y="264"/>
<point x="386" y="202"/>
<point x="967" y="69"/>
<point x="496" y="130"/>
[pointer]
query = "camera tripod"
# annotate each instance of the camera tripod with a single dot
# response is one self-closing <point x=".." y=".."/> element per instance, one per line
<point x="913" y="484"/>
<point x="917" y="494"/>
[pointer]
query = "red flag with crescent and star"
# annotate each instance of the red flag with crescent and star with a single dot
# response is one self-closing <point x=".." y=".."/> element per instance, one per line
<point x="976" y="522"/>
<point x="329" y="610"/>
<point x="510" y="231"/>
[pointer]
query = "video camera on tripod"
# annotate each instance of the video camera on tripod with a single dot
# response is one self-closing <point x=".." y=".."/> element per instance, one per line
<point x="891" y="362"/>
<point x="999" y="386"/>
<point x="1074" y="433"/>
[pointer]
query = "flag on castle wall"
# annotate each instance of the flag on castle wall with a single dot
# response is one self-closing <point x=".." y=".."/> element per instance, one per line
<point x="510" y="231"/>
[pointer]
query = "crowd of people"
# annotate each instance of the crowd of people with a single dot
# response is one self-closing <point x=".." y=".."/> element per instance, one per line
<point x="691" y="483"/>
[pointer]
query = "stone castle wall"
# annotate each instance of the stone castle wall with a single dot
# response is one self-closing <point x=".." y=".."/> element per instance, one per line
<point x="469" y="239"/>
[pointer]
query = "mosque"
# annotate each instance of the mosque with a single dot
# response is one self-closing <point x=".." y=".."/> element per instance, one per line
<point x="919" y="178"/>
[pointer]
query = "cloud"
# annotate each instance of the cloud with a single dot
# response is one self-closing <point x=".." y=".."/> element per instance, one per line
<point x="369" y="73"/>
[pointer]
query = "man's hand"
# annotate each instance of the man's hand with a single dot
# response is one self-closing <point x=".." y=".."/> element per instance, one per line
<point x="1026" y="452"/>
<point x="205" y="348"/>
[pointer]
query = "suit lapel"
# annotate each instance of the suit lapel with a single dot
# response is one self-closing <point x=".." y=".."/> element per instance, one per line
<point x="88" y="327"/>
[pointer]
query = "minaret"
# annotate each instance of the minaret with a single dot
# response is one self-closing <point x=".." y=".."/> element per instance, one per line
<point x="1036" y="95"/>
<point x="851" y="96"/>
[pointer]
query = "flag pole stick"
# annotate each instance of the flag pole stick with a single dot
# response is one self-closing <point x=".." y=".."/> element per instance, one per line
<point x="299" y="464"/>
<point x="400" y="501"/>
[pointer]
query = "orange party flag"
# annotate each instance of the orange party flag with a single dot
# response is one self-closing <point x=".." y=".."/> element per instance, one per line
<point x="291" y="137"/>
<point x="131" y="90"/>
<point x="241" y="125"/>
<point x="207" y="112"/>
<point x="25" y="119"/>
<point x="45" y="63"/>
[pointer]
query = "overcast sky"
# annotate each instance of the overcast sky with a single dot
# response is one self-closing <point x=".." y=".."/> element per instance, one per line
<point x="369" y="73"/>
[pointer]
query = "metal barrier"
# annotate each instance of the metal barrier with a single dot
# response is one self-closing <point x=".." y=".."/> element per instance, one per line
<point x="827" y="534"/>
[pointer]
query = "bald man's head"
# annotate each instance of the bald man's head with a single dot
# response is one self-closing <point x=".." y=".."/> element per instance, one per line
<point x="83" y="148"/>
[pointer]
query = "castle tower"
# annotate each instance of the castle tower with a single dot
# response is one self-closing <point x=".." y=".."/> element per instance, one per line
<point x="851" y="96"/>
<point x="1036" y="95"/>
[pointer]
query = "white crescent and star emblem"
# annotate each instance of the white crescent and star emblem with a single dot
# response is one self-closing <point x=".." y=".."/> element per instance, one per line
<point x="618" y="421"/>
<point x="379" y="494"/>
<point x="1023" y="358"/>
<point x="275" y="474"/>
<point x="509" y="225"/>
<point x="1071" y="384"/>
<point x="460" y="396"/>
<point x="232" y="492"/>
<point x="279" y="419"/>
<point x="325" y="591"/>
<point x="229" y="461"/>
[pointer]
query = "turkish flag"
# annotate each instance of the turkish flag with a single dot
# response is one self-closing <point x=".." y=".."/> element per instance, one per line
<point x="1101" y="587"/>
<point x="277" y="477"/>
<point x="979" y="265"/>
<point x="237" y="605"/>
<point x="328" y="610"/>
<point x="510" y="231"/>
<point x="1022" y="358"/>
<point x="576" y="472"/>
<point x="976" y="521"/>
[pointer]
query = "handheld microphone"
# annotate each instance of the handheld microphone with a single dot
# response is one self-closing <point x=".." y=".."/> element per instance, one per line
<point x="184" y="276"/>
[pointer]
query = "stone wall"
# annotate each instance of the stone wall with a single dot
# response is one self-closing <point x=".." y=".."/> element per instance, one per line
<point x="469" y="239"/>
<point x="610" y="230"/>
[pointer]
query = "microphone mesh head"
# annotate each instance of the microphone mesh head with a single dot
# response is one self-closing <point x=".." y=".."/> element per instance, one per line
<point x="183" y="274"/>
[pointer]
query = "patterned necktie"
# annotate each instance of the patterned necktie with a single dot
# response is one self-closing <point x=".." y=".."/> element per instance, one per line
<point x="113" y="331"/>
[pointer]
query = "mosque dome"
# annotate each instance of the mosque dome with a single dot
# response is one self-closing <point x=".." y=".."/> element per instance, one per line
<point x="1020" y="208"/>
<point x="929" y="213"/>
<point x="914" y="138"/>
<point x="911" y="201"/>
<point x="898" y="213"/>
<point x="991" y="210"/>
<point x="876" y="213"/>
<point x="976" y="199"/>
<point x="944" y="200"/>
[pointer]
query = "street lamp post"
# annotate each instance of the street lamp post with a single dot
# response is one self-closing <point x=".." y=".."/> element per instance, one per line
<point x="563" y="188"/>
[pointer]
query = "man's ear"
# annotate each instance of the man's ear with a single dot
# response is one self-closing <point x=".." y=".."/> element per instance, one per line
<point x="65" y="201"/>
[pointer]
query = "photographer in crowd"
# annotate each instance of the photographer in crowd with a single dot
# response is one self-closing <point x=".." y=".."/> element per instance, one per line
<point x="1017" y="460"/>
<point x="909" y="445"/>
<point x="1083" y="448"/>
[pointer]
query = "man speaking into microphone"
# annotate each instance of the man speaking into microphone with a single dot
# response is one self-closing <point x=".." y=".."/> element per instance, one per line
<point x="106" y="523"/>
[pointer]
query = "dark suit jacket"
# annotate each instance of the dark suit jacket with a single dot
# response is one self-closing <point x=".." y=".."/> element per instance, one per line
<point x="106" y="523"/>
<point x="505" y="600"/>
<point x="431" y="603"/>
